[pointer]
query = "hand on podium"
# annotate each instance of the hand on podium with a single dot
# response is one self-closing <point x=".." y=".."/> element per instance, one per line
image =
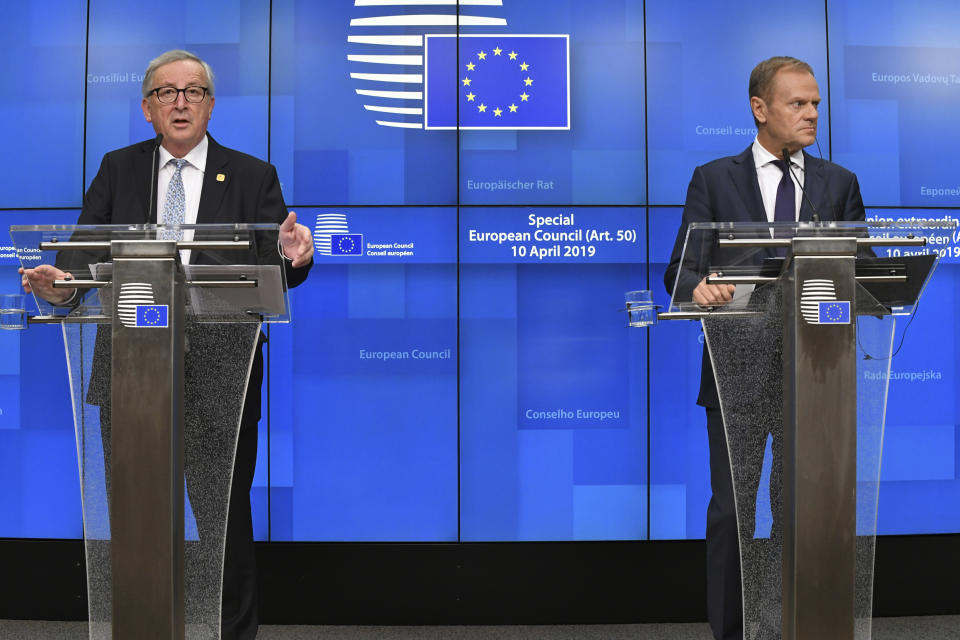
<point x="39" y="281"/>
<point x="296" y="241"/>
<point x="713" y="295"/>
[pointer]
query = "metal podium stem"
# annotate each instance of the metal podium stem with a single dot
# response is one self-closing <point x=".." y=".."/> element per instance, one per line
<point x="819" y="449"/>
<point x="146" y="508"/>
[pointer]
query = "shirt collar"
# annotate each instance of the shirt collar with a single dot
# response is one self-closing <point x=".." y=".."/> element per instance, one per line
<point x="762" y="157"/>
<point x="196" y="157"/>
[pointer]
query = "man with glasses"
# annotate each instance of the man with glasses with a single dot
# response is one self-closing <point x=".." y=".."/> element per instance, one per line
<point x="198" y="181"/>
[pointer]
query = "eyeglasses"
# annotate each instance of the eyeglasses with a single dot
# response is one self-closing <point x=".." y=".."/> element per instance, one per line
<point x="169" y="95"/>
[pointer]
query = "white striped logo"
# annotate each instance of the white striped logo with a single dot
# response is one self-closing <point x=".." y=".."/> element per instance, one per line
<point x="397" y="98"/>
<point x="814" y="292"/>
<point x="326" y="225"/>
<point x="132" y="295"/>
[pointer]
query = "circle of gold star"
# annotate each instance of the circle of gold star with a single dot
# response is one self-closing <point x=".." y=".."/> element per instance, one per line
<point x="482" y="57"/>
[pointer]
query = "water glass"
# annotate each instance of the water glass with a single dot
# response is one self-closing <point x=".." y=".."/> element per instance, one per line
<point x="13" y="311"/>
<point x="641" y="312"/>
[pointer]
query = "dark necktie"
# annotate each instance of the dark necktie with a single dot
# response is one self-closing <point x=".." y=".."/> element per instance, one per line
<point x="785" y="209"/>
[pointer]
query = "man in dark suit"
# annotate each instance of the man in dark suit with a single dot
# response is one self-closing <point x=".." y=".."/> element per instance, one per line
<point x="754" y="186"/>
<point x="199" y="181"/>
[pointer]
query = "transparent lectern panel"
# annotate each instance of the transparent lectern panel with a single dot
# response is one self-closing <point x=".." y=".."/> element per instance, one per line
<point x="746" y="354"/>
<point x="217" y="365"/>
<point x="755" y="253"/>
<point x="874" y="353"/>
<point x="216" y="374"/>
<point x="233" y="272"/>
<point x="80" y="340"/>
<point x="228" y="295"/>
<point x="745" y="338"/>
<point x="219" y="293"/>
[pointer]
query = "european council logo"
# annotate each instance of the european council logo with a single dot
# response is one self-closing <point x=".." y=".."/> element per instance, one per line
<point x="332" y="237"/>
<point x="476" y="81"/>
<point x="137" y="308"/>
<point x="819" y="304"/>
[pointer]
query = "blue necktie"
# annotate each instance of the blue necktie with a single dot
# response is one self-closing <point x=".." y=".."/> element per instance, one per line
<point x="785" y="209"/>
<point x="175" y="205"/>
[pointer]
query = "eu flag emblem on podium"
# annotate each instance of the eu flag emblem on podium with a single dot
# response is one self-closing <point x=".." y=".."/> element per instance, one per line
<point x="834" y="312"/>
<point x="499" y="82"/>
<point x="152" y="315"/>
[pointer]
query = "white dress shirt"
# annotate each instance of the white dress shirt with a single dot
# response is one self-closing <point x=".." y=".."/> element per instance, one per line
<point x="769" y="175"/>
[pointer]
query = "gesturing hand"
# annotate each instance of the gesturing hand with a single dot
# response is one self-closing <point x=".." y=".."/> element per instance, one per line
<point x="296" y="241"/>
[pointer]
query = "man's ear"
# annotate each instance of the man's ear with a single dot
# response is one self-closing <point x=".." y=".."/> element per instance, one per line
<point x="759" y="108"/>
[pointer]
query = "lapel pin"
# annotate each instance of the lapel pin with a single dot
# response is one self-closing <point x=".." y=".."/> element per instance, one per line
<point x="221" y="177"/>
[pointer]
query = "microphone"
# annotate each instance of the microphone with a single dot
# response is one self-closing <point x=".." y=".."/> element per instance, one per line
<point x="153" y="174"/>
<point x="785" y="153"/>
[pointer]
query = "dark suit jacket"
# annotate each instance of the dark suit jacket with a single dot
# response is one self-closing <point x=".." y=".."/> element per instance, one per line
<point x="727" y="190"/>
<point x="248" y="193"/>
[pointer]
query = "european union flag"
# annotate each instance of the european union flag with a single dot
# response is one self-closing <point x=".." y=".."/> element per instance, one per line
<point x="499" y="82"/>
<point x="151" y="315"/>
<point x="346" y="244"/>
<point x="835" y="312"/>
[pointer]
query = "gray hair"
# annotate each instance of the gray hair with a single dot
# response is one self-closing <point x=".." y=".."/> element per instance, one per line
<point x="174" y="56"/>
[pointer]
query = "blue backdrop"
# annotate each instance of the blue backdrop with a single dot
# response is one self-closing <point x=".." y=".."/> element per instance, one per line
<point x="457" y="368"/>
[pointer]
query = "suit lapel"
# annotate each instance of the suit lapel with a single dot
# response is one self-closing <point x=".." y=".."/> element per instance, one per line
<point x="145" y="182"/>
<point x="814" y="184"/>
<point x="216" y="177"/>
<point x="744" y="177"/>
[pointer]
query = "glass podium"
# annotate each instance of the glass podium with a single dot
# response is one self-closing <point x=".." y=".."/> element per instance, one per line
<point x="160" y="336"/>
<point x="801" y="359"/>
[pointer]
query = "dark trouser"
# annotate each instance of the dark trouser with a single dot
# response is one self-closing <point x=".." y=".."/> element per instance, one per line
<point x="724" y="594"/>
<point x="724" y="587"/>
<point x="239" y="617"/>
